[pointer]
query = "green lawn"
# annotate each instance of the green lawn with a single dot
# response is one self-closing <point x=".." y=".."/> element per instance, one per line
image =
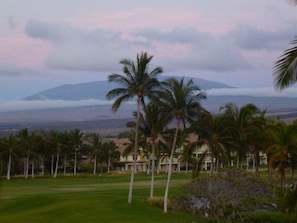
<point x="86" y="199"/>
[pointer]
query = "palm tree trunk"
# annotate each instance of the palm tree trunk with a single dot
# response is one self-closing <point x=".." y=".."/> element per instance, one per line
<point x="211" y="164"/>
<point x="75" y="161"/>
<point x="257" y="159"/>
<point x="65" y="163"/>
<point x="8" y="167"/>
<point x="24" y="166"/>
<point x="27" y="167"/>
<point x="32" y="169"/>
<point x="57" y="164"/>
<point x="135" y="153"/>
<point x="52" y="165"/>
<point x="153" y="171"/>
<point x="108" y="164"/>
<point x="95" y="165"/>
<point x="170" y="167"/>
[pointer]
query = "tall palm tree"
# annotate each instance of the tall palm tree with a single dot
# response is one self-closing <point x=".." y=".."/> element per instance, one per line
<point x="94" y="139"/>
<point x="42" y="149"/>
<point x="285" y="68"/>
<point x="56" y="140"/>
<point x="137" y="82"/>
<point x="213" y="132"/>
<point x="151" y="126"/>
<point x="179" y="101"/>
<point x="25" y="141"/>
<point x="283" y="148"/>
<point x="110" y="154"/>
<point x="75" y="139"/>
<point x="256" y="138"/>
<point x="9" y="144"/>
<point x="34" y="142"/>
<point x="240" y="120"/>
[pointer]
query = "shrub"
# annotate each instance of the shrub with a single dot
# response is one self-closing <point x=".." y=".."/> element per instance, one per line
<point x="231" y="195"/>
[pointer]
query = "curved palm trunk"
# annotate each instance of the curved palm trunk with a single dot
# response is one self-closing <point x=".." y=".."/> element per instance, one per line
<point x="57" y="164"/>
<point x="95" y="165"/>
<point x="135" y="153"/>
<point x="153" y="171"/>
<point x="108" y="164"/>
<point x="170" y="167"/>
<point x="8" y="167"/>
<point x="75" y="162"/>
<point x="27" y="167"/>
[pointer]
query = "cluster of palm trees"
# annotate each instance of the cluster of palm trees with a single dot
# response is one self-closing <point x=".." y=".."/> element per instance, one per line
<point x="169" y="111"/>
<point x="49" y="152"/>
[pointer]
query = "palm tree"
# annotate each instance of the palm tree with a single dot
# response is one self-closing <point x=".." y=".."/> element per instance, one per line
<point x="240" y="120"/>
<point x="34" y="142"/>
<point x="285" y="68"/>
<point x="75" y="140"/>
<point x="283" y="149"/>
<point x="110" y="153"/>
<point x="178" y="101"/>
<point x="137" y="82"/>
<point x="213" y="132"/>
<point x="9" y="144"/>
<point x="56" y="141"/>
<point x="25" y="141"/>
<point x="151" y="126"/>
<point x="42" y="149"/>
<point x="256" y="138"/>
<point x="94" y="139"/>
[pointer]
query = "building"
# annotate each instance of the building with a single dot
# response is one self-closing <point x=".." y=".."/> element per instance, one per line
<point x="143" y="160"/>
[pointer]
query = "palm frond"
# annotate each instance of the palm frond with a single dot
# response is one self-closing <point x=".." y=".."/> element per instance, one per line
<point x="285" y="68"/>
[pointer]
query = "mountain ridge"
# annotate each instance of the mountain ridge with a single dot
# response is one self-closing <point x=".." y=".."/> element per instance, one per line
<point x="99" y="89"/>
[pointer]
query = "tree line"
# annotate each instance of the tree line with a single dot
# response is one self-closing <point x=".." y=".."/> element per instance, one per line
<point x="25" y="153"/>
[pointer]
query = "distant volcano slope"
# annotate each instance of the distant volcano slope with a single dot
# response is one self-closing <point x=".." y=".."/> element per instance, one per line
<point x="99" y="89"/>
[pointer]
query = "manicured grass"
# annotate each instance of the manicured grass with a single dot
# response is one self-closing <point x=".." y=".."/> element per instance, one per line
<point x="86" y="199"/>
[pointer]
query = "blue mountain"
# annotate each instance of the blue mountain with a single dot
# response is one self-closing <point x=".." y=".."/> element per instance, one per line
<point x="99" y="89"/>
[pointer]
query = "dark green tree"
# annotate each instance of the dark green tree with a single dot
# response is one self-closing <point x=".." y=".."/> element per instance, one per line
<point x="179" y="101"/>
<point x="94" y="142"/>
<point x="240" y="119"/>
<point x="137" y="81"/>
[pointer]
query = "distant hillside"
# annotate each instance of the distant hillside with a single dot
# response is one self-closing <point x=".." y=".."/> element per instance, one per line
<point x="98" y="90"/>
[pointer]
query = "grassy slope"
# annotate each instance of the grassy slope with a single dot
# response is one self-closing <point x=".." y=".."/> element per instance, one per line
<point x="85" y="199"/>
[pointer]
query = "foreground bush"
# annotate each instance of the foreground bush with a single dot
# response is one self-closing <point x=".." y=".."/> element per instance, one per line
<point x="230" y="196"/>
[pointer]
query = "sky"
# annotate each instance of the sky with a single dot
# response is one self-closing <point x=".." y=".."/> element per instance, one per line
<point x="44" y="44"/>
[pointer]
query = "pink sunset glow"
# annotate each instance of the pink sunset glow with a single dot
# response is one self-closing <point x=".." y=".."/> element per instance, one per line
<point x="235" y="42"/>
